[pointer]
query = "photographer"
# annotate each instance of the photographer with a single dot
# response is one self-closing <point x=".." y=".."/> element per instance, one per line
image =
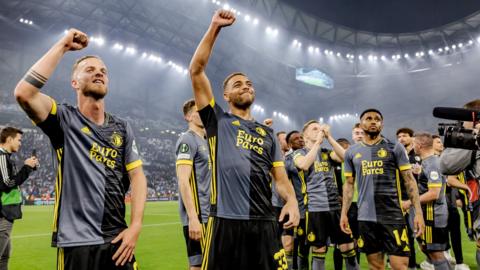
<point x="10" y="180"/>
<point x="453" y="161"/>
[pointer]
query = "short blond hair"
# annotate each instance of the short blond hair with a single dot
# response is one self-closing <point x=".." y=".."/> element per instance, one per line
<point x="229" y="77"/>
<point x="81" y="59"/>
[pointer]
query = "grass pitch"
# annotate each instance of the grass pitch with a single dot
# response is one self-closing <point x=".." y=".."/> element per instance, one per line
<point x="161" y="245"/>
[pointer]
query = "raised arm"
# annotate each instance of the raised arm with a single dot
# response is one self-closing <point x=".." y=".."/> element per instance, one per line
<point x="304" y="162"/>
<point x="202" y="90"/>
<point x="338" y="151"/>
<point x="27" y="92"/>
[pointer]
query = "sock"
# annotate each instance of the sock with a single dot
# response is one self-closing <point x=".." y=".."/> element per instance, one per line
<point x="337" y="259"/>
<point x="350" y="257"/>
<point x="302" y="258"/>
<point x="442" y="265"/>
<point x="318" y="261"/>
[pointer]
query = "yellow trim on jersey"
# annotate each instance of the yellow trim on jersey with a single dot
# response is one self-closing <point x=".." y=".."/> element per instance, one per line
<point x="212" y="102"/>
<point x="405" y="167"/>
<point x="278" y="164"/>
<point x="184" y="162"/>
<point x="60" y="259"/>
<point x="348" y="174"/>
<point x="58" y="188"/>
<point x="212" y="142"/>
<point x="399" y="190"/>
<point x="295" y="157"/>
<point x="193" y="187"/>
<point x="132" y="165"/>
<point x="435" y="185"/>
<point x="208" y="241"/>
<point x="53" y="111"/>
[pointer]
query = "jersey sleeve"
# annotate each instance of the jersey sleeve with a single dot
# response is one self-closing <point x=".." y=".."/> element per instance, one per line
<point x="277" y="156"/>
<point x="210" y="116"/>
<point x="434" y="177"/>
<point x="348" y="167"/>
<point x="185" y="150"/>
<point x="298" y="153"/>
<point x="54" y="125"/>
<point x="401" y="157"/>
<point x="132" y="157"/>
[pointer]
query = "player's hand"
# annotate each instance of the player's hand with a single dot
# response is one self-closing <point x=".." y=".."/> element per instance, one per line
<point x="74" y="40"/>
<point x="194" y="229"/>
<point x="223" y="18"/>
<point x="290" y="209"/>
<point x="406" y="205"/>
<point x="31" y="162"/>
<point x="418" y="225"/>
<point x="326" y="130"/>
<point x="320" y="136"/>
<point x="344" y="225"/>
<point x="128" y="239"/>
<point x="268" y="122"/>
<point x="416" y="168"/>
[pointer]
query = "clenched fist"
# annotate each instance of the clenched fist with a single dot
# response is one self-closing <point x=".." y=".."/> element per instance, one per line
<point x="74" y="40"/>
<point x="223" y="18"/>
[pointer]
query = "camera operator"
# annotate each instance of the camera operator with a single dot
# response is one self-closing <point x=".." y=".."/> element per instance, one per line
<point x="455" y="160"/>
<point x="10" y="180"/>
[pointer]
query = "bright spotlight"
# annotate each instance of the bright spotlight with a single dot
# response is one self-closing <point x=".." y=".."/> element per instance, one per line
<point x="460" y="45"/>
<point x="118" y="46"/>
<point x="310" y="49"/>
<point x="130" y="50"/>
<point x="247" y="18"/>
<point x="470" y="42"/>
<point x="383" y="58"/>
<point x="440" y="49"/>
<point x="360" y="57"/>
<point x="447" y="48"/>
<point x="255" y="21"/>
<point x="370" y="57"/>
<point x="339" y="54"/>
<point x="30" y="22"/>
<point x="326" y="51"/>
<point x="406" y="55"/>
<point x="21" y="20"/>
<point x="317" y="50"/>
<point x="430" y="52"/>
<point x="454" y="46"/>
<point x="226" y="6"/>
<point x="144" y="55"/>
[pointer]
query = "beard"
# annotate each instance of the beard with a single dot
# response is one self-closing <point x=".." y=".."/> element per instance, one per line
<point x="372" y="134"/>
<point x="96" y="92"/>
<point x="242" y="103"/>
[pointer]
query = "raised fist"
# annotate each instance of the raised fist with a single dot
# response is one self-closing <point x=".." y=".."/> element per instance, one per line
<point x="268" y="122"/>
<point x="74" y="40"/>
<point x="223" y="18"/>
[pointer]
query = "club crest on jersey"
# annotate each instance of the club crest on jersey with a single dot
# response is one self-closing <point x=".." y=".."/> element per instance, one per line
<point x="184" y="148"/>
<point x="324" y="156"/>
<point x="382" y="153"/>
<point x="311" y="237"/>
<point x="434" y="175"/>
<point x="417" y="158"/>
<point x="86" y="130"/>
<point x="358" y="155"/>
<point x="236" y="123"/>
<point x="116" y="139"/>
<point x="261" y="131"/>
<point x="299" y="231"/>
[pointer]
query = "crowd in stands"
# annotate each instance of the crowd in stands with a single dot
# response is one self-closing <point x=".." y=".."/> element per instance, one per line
<point x="155" y="140"/>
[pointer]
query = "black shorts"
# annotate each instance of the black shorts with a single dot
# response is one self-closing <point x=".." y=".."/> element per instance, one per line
<point x="352" y="219"/>
<point x="391" y="239"/>
<point x="301" y="230"/>
<point x="242" y="244"/>
<point x="322" y="226"/>
<point x="94" y="257"/>
<point x="434" y="239"/>
<point x="194" y="248"/>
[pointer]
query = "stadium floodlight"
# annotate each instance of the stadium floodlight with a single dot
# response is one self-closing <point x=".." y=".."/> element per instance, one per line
<point x="394" y="57"/>
<point x="226" y="6"/>
<point x="447" y="48"/>
<point x="130" y="50"/>
<point x="406" y="55"/>
<point x="460" y="45"/>
<point x="360" y="57"/>
<point x="30" y="22"/>
<point x="325" y="51"/>
<point x="310" y="49"/>
<point x="255" y="21"/>
<point x="247" y="18"/>
<point x="21" y="20"/>
<point x="454" y="46"/>
<point x="430" y="52"/>
<point x="370" y="57"/>
<point x="339" y="54"/>
<point x="144" y="55"/>
<point x="218" y="3"/>
<point x="470" y="42"/>
<point x="118" y="46"/>
<point x="383" y="58"/>
<point x="317" y="50"/>
<point x="422" y="53"/>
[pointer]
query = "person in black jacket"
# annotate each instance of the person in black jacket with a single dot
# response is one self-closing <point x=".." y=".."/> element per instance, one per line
<point x="10" y="180"/>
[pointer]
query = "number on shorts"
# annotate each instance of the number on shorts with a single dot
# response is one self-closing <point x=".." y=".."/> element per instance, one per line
<point x="399" y="239"/>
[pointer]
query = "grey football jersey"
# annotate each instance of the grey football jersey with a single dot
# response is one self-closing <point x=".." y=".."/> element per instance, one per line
<point x="192" y="150"/>
<point x="92" y="177"/>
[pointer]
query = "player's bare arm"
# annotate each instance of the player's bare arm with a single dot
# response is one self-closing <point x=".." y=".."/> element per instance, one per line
<point x="202" y="89"/>
<point x="27" y="92"/>
<point x="194" y="226"/>
<point x="348" y="189"/>
<point x="128" y="238"/>
<point x="286" y="191"/>
<point x="412" y="192"/>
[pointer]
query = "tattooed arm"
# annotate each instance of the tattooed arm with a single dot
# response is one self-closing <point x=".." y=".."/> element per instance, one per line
<point x="412" y="191"/>
<point x="348" y="188"/>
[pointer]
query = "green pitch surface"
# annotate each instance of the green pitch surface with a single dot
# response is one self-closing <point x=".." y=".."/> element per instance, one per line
<point x="161" y="244"/>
